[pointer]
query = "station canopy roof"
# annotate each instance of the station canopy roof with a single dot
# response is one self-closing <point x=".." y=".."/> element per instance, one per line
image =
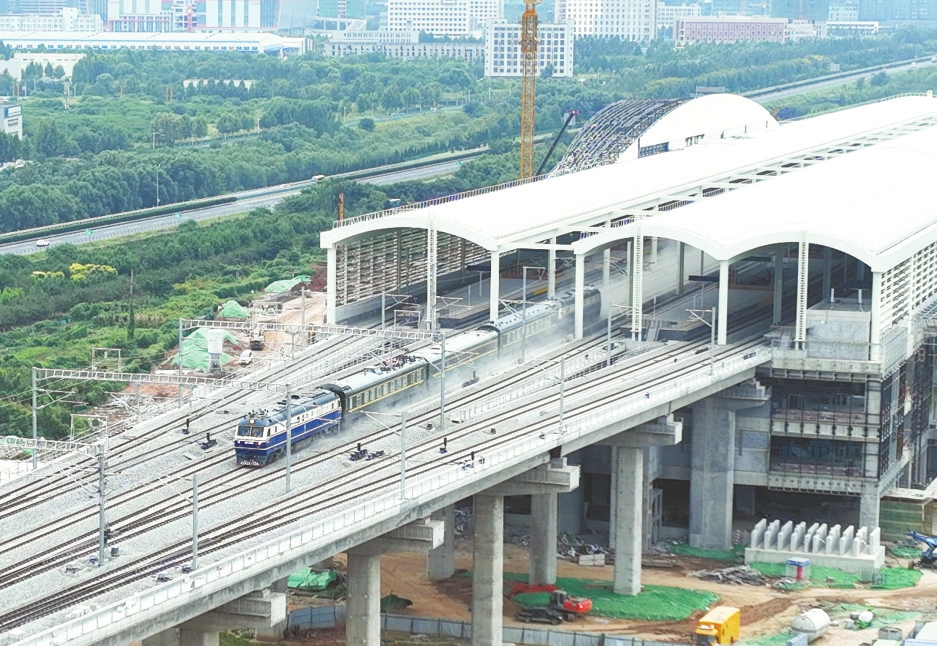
<point x="875" y="204"/>
<point x="524" y="215"/>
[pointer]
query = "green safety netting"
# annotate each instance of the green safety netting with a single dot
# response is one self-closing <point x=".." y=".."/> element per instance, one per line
<point x="312" y="581"/>
<point x="280" y="286"/>
<point x="195" y="349"/>
<point x="233" y="310"/>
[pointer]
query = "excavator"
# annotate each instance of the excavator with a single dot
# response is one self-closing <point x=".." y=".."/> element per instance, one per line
<point x="928" y="558"/>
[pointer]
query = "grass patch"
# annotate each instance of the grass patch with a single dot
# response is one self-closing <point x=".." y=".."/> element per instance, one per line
<point x="227" y="639"/>
<point x="655" y="603"/>
<point x="891" y="578"/>
<point x="897" y="577"/>
<point x="905" y="551"/>
<point x="827" y="577"/>
<point x="682" y="549"/>
<point x="767" y="640"/>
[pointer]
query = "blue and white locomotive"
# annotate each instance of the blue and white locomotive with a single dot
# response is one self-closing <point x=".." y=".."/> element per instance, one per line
<point x="261" y="435"/>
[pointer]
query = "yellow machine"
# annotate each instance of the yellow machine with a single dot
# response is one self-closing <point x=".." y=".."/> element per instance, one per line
<point x="719" y="626"/>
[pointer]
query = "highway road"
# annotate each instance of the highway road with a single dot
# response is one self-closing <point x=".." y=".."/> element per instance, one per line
<point x="835" y="82"/>
<point x="247" y="201"/>
<point x="270" y="196"/>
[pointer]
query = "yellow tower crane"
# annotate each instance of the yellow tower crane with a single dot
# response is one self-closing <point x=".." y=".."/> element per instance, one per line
<point x="528" y="85"/>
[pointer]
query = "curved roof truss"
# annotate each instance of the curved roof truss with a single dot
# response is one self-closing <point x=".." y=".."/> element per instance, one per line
<point x="610" y="132"/>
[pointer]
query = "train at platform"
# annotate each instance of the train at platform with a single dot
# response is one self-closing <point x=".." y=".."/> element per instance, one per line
<point x="260" y="436"/>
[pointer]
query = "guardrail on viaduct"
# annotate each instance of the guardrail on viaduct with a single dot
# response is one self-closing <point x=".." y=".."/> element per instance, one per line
<point x="149" y="605"/>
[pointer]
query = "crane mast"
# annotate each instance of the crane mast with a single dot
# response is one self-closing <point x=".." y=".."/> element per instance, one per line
<point x="528" y="85"/>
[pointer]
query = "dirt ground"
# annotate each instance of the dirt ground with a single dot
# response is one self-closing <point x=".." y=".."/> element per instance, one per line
<point x="765" y="611"/>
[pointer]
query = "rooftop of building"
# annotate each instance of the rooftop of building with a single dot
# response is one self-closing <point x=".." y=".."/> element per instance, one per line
<point x="840" y="202"/>
<point x="154" y="38"/>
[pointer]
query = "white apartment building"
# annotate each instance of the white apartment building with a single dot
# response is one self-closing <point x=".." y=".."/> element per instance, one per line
<point x="68" y="19"/>
<point x="503" y="49"/>
<point x="634" y="20"/>
<point x="442" y="17"/>
<point x="668" y="13"/>
<point x="404" y="45"/>
<point x="11" y="118"/>
<point x="212" y="15"/>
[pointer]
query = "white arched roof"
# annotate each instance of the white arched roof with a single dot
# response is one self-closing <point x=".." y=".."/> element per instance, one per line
<point x="506" y="219"/>
<point x="876" y="204"/>
<point x="705" y="118"/>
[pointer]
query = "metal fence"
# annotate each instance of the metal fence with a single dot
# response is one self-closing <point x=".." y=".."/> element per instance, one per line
<point x="331" y="616"/>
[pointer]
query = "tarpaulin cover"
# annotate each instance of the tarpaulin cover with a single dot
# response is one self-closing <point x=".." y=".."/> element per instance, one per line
<point x="280" y="286"/>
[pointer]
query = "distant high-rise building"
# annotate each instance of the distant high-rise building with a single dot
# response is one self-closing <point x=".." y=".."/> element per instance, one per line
<point x="736" y="7"/>
<point x="342" y="8"/>
<point x="813" y="10"/>
<point x="634" y="20"/>
<point x="897" y="9"/>
<point x="730" y="29"/>
<point x="667" y="13"/>
<point x="296" y="15"/>
<point x="503" y="49"/>
<point x="844" y="11"/>
<point x="42" y="6"/>
<point x="442" y="17"/>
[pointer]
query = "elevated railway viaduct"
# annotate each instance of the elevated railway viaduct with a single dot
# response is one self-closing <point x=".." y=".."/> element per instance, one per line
<point x="834" y="399"/>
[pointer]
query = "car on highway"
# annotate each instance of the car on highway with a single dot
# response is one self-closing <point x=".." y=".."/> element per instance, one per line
<point x="540" y="614"/>
<point x="42" y="243"/>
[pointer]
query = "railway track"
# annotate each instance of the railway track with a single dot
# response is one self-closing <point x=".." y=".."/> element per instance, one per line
<point x="379" y="474"/>
<point x="647" y="373"/>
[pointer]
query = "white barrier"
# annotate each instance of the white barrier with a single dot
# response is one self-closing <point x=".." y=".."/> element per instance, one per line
<point x="215" y="577"/>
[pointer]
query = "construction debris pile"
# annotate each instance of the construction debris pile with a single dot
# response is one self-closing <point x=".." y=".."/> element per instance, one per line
<point x="737" y="575"/>
<point x="575" y="548"/>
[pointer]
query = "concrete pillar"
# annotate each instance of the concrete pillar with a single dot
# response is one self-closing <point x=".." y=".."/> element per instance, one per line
<point x="494" y="291"/>
<point x="543" y="519"/>
<point x="722" y="314"/>
<point x="169" y="637"/>
<point x="745" y="499"/>
<point x="440" y="562"/>
<point x="654" y="251"/>
<point x="628" y="518"/>
<point x="184" y="637"/>
<point x="875" y="331"/>
<point x="488" y="573"/>
<point x="606" y="266"/>
<point x="551" y="270"/>
<point x="778" y="285"/>
<point x="827" y="271"/>
<point x="681" y="268"/>
<point x="331" y="292"/>
<point x="868" y="506"/>
<point x="363" y="625"/>
<point x="580" y="285"/>
<point x="712" y="475"/>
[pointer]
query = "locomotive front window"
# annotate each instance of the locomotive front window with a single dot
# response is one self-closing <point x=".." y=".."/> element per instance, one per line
<point x="257" y="432"/>
<point x="244" y="431"/>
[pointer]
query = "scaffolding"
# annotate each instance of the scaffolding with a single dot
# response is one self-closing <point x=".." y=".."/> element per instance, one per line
<point x="396" y="262"/>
